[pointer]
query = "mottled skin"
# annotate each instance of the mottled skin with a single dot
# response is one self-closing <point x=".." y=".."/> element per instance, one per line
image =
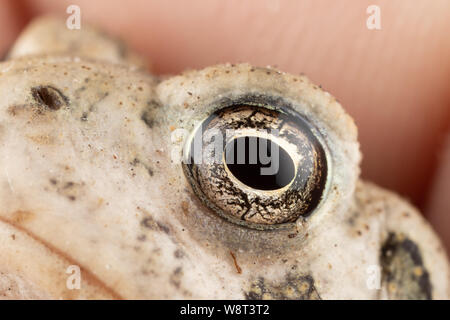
<point x="87" y="179"/>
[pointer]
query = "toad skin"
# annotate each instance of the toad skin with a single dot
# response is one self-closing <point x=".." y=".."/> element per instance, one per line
<point x="88" y="178"/>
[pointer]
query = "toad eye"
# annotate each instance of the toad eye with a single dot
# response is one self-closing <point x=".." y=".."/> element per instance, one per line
<point x="257" y="166"/>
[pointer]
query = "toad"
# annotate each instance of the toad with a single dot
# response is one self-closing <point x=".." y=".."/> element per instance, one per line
<point x="231" y="182"/>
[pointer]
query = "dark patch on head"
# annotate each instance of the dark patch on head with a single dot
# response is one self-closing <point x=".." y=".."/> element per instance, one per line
<point x="136" y="162"/>
<point x="148" y="116"/>
<point x="84" y="116"/>
<point x="178" y="270"/>
<point x="68" y="189"/>
<point x="14" y="109"/>
<point x="179" y="254"/>
<point x="150" y="223"/>
<point x="68" y="185"/>
<point x="148" y="119"/>
<point x="92" y="107"/>
<point x="163" y="227"/>
<point x="142" y="237"/>
<point x="294" y="287"/>
<point x="404" y="273"/>
<point x="49" y="97"/>
<point x="175" y="278"/>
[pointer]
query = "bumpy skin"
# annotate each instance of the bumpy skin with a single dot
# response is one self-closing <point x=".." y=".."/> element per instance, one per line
<point x="87" y="178"/>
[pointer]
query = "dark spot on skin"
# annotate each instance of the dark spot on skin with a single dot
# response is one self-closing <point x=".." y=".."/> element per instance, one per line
<point x="404" y="273"/>
<point x="68" y="185"/>
<point x="179" y="254"/>
<point x="147" y="116"/>
<point x="175" y="278"/>
<point x="292" y="235"/>
<point x="150" y="223"/>
<point x="178" y="270"/>
<point x="148" y="119"/>
<point x="294" y="287"/>
<point x="163" y="227"/>
<point x="136" y="161"/>
<point x="351" y="221"/>
<point x="68" y="189"/>
<point x="93" y="106"/>
<point x="14" y="110"/>
<point x="84" y="116"/>
<point x="49" y="97"/>
<point x="142" y="237"/>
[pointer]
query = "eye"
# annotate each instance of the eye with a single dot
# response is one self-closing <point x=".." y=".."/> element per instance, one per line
<point x="257" y="166"/>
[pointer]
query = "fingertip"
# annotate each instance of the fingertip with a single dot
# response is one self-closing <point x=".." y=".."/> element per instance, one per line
<point x="13" y="17"/>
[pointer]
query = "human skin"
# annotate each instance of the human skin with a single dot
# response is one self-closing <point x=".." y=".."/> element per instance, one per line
<point x="393" y="81"/>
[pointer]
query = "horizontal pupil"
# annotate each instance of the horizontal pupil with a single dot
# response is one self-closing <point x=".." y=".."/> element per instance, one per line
<point x="259" y="163"/>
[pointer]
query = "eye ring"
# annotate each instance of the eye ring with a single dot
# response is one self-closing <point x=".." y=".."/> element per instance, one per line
<point x="240" y="196"/>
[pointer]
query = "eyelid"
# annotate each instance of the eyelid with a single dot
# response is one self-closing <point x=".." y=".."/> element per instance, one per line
<point x="199" y="93"/>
